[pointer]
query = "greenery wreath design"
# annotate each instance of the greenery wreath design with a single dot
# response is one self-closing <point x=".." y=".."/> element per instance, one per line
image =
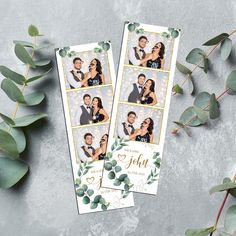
<point x="152" y="177"/>
<point x="114" y="169"/>
<point x="83" y="191"/>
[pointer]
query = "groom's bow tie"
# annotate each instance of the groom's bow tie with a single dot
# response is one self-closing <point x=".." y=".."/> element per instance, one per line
<point x="88" y="107"/>
<point x="141" y="50"/>
<point x="140" y="86"/>
<point x="130" y="126"/>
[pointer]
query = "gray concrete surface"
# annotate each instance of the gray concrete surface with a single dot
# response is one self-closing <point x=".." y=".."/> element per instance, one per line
<point x="44" y="203"/>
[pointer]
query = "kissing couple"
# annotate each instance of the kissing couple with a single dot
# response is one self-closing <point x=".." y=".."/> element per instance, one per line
<point x="88" y="153"/>
<point x="92" y="111"/>
<point x="139" y="57"/>
<point x="142" y="134"/>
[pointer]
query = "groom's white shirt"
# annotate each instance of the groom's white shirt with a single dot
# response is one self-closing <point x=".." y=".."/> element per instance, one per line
<point x="120" y="130"/>
<point x="132" y="57"/>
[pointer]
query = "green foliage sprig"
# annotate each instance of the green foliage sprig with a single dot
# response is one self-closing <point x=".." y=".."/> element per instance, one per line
<point x="152" y="177"/>
<point x="113" y="169"/>
<point x="172" y="33"/>
<point x="83" y="191"/>
<point x="200" y="59"/>
<point x="12" y="138"/>
<point x="102" y="46"/>
<point x="205" y="107"/>
<point x="134" y="27"/>
<point x="230" y="217"/>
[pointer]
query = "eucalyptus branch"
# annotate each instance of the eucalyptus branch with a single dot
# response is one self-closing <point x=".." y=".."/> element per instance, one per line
<point x="201" y="59"/>
<point x="12" y="137"/>
<point x="230" y="224"/>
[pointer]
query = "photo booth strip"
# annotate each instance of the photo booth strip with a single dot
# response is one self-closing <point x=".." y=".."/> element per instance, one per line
<point x="135" y="149"/>
<point x="90" y="196"/>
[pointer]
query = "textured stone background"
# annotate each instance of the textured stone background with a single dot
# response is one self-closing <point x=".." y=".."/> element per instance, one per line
<point x="44" y="204"/>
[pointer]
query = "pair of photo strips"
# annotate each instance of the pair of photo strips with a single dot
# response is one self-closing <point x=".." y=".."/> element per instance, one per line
<point x="116" y="137"/>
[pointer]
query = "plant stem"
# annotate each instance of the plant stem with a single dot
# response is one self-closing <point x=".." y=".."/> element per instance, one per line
<point x="222" y="206"/>
<point x="207" y="55"/>
<point x="192" y="118"/>
<point x="24" y="85"/>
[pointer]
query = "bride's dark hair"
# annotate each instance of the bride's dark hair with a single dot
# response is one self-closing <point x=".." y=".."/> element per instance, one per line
<point x="162" y="50"/>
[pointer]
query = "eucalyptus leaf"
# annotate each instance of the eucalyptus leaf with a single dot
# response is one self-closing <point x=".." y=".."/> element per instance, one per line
<point x="189" y="117"/>
<point x="42" y="62"/>
<point x="183" y="69"/>
<point x="62" y="52"/>
<point x="206" y="64"/>
<point x="11" y="171"/>
<point x="7" y="119"/>
<point x="177" y="89"/>
<point x="38" y="76"/>
<point x="28" y="119"/>
<point x="200" y="232"/>
<point x="174" y="33"/>
<point x="8" y="144"/>
<point x="33" y="31"/>
<point x="214" y="111"/>
<point x="201" y="114"/>
<point x="131" y="27"/>
<point x="17" y="134"/>
<point x="12" y="91"/>
<point x="34" y="98"/>
<point x="190" y="84"/>
<point x="231" y="81"/>
<point x="222" y="187"/>
<point x="17" y="78"/>
<point x="43" y="45"/>
<point x="230" y="220"/>
<point x="225" y="48"/>
<point x="202" y="100"/>
<point x="196" y="56"/>
<point x="23" y="55"/>
<point x="216" y="39"/>
<point x="24" y="43"/>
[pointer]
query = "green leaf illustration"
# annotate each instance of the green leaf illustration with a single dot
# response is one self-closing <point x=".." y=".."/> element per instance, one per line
<point x="183" y="69"/>
<point x="201" y="114"/>
<point x="214" y="111"/>
<point x="177" y="89"/>
<point x="202" y="100"/>
<point x="189" y="117"/>
<point x="111" y="175"/>
<point x="226" y="48"/>
<point x="86" y="200"/>
<point x="231" y="81"/>
<point x="108" y="166"/>
<point x="11" y="171"/>
<point x="33" y="31"/>
<point x="196" y="56"/>
<point x="42" y="62"/>
<point x="80" y="192"/>
<point x="216" y="39"/>
<point x="34" y="98"/>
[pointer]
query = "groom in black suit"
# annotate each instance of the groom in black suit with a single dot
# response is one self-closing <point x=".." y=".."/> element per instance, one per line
<point x="87" y="112"/>
<point x="134" y="96"/>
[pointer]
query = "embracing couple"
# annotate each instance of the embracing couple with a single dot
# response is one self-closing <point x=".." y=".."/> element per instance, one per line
<point x="88" y="153"/>
<point x="143" y="134"/>
<point x="139" y="57"/>
<point x="92" y="111"/>
<point x="91" y="78"/>
<point x="143" y="91"/>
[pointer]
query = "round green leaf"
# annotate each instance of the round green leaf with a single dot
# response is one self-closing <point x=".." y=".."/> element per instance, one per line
<point x="189" y="117"/>
<point x="8" y="144"/>
<point x="90" y="192"/>
<point x="80" y="192"/>
<point x="97" y="199"/>
<point x="11" y="171"/>
<point x="62" y="52"/>
<point x="202" y="100"/>
<point x="104" y="207"/>
<point x="106" y="46"/>
<point x="225" y="48"/>
<point x="33" y="99"/>
<point x="28" y="120"/>
<point x="199" y="232"/>
<point x="223" y="187"/>
<point x="230" y="220"/>
<point x="127" y="180"/>
<point x="183" y="69"/>
<point x="10" y="74"/>
<point x="195" y="56"/>
<point x="108" y="166"/>
<point x="174" y="33"/>
<point x="231" y="81"/>
<point x="23" y="55"/>
<point x="216" y="39"/>
<point x="117" y="169"/>
<point x="117" y="182"/>
<point x="122" y="177"/>
<point x="177" y="89"/>
<point x="86" y="200"/>
<point x="42" y="62"/>
<point x="85" y="187"/>
<point x="131" y="27"/>
<point x="114" y="162"/>
<point x="111" y="175"/>
<point x="190" y="84"/>
<point x="12" y="91"/>
<point x="214" y="111"/>
<point x="33" y="31"/>
<point x="201" y="114"/>
<point x="102" y="201"/>
<point x="126" y="187"/>
<point x="93" y="205"/>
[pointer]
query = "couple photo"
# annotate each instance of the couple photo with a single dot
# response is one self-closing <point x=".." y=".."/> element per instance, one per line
<point x="92" y="110"/>
<point x="88" y="153"/>
<point x="139" y="57"/>
<point x="143" y="132"/>
<point x="93" y="77"/>
<point x="143" y="91"/>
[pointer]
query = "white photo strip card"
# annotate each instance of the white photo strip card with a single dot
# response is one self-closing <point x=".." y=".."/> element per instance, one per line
<point x="140" y="108"/>
<point x="87" y="77"/>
